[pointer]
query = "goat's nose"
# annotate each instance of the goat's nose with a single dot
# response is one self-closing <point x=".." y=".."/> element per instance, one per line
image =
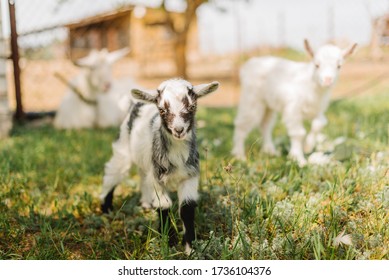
<point x="179" y="129"/>
<point x="328" y="80"/>
<point x="107" y="86"/>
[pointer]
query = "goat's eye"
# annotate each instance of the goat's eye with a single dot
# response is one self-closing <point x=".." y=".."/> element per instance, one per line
<point x="162" y="111"/>
<point x="339" y="66"/>
<point x="191" y="108"/>
<point x="317" y="65"/>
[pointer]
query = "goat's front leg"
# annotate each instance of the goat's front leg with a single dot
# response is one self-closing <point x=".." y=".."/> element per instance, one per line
<point x="296" y="132"/>
<point x="317" y="125"/>
<point x="187" y="196"/>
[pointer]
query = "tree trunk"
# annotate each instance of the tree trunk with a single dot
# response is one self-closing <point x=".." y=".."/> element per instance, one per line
<point x="180" y="55"/>
<point x="5" y="114"/>
<point x="181" y="34"/>
<point x="378" y="28"/>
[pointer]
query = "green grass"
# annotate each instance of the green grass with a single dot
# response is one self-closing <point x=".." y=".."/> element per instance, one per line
<point x="265" y="208"/>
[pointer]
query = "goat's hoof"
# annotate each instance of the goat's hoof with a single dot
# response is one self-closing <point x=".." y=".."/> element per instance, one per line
<point x="106" y="208"/>
<point x="302" y="162"/>
<point x="188" y="249"/>
<point x="146" y="205"/>
<point x="271" y="151"/>
<point x="239" y="156"/>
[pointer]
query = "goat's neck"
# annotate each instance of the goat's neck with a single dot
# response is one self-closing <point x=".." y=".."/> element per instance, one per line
<point x="169" y="154"/>
<point x="92" y="89"/>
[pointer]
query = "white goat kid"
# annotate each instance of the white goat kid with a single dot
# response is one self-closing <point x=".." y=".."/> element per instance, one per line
<point x="299" y="91"/>
<point x="98" y="106"/>
<point x="160" y="138"/>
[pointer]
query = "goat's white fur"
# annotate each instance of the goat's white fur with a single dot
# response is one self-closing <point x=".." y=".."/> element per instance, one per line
<point x="299" y="91"/>
<point x="96" y="84"/>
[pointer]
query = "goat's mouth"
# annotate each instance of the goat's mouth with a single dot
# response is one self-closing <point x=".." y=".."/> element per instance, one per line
<point x="326" y="85"/>
<point x="105" y="88"/>
<point x="326" y="82"/>
<point x="180" y="136"/>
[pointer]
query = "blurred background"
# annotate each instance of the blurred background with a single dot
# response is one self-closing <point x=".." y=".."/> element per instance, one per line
<point x="199" y="40"/>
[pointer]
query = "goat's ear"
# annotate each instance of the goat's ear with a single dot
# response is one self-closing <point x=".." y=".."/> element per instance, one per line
<point x="87" y="61"/>
<point x="116" y="55"/>
<point x="204" y="89"/>
<point x="308" y="48"/>
<point x="349" y="51"/>
<point x="150" y="96"/>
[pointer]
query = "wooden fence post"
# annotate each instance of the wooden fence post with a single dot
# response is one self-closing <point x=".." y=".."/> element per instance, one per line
<point x="19" y="114"/>
<point x="5" y="113"/>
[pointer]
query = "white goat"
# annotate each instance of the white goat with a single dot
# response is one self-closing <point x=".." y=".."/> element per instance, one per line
<point x="98" y="101"/>
<point x="299" y="91"/>
<point x="160" y="139"/>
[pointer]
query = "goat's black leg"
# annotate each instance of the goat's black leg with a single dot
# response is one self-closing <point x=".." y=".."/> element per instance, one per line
<point x="165" y="226"/>
<point x="187" y="212"/>
<point x="106" y="206"/>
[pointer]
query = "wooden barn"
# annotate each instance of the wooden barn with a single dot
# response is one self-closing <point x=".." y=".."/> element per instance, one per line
<point x="144" y="30"/>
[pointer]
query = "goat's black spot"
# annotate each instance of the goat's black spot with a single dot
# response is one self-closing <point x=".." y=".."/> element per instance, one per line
<point x="152" y="121"/>
<point x="185" y="101"/>
<point x="167" y="117"/>
<point x="191" y="93"/>
<point x="134" y="115"/>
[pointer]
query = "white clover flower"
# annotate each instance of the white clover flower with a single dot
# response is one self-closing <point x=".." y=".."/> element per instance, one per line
<point x="273" y="190"/>
<point x="283" y="209"/>
<point x="313" y="201"/>
<point x="278" y="243"/>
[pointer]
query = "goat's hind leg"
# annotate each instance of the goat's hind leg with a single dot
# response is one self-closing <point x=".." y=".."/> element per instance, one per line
<point x="296" y="133"/>
<point x="115" y="171"/>
<point x="248" y="117"/>
<point x="267" y="126"/>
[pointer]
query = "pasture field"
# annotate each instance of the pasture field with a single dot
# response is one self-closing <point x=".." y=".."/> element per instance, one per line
<point x="265" y="208"/>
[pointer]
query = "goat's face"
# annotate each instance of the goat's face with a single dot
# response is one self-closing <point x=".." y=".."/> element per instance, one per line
<point x="176" y="100"/>
<point x="100" y="75"/>
<point x="99" y="67"/>
<point x="327" y="61"/>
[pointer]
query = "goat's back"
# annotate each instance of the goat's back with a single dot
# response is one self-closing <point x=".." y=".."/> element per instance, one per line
<point x="272" y="68"/>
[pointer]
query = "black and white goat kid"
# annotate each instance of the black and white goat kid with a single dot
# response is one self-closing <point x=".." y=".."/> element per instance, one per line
<point x="158" y="135"/>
